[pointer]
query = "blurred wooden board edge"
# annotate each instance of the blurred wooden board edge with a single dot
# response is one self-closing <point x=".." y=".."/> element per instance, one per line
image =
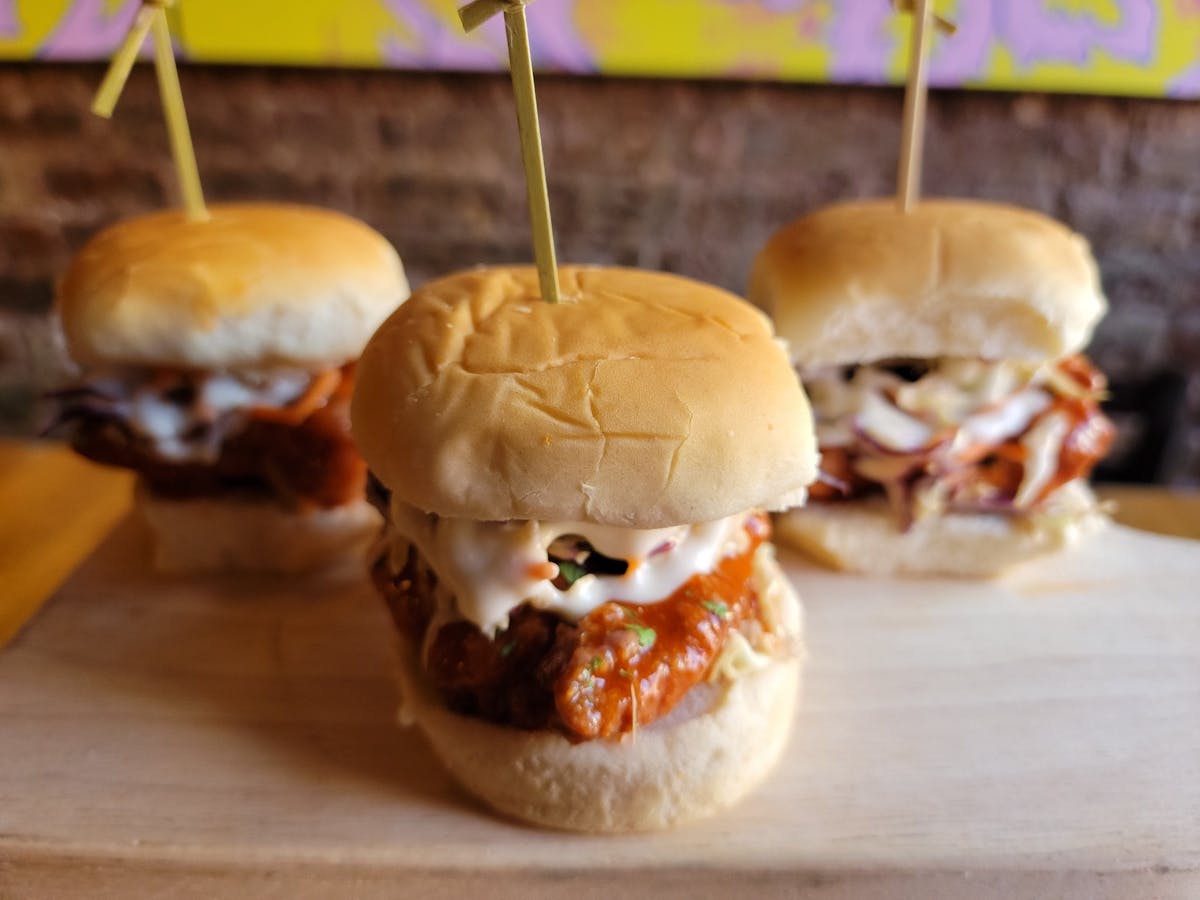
<point x="62" y="878"/>
<point x="55" y="509"/>
<point x="1175" y="513"/>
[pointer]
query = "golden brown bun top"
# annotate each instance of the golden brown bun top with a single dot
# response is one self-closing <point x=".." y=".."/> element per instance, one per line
<point x="862" y="281"/>
<point x="256" y="285"/>
<point x="641" y="400"/>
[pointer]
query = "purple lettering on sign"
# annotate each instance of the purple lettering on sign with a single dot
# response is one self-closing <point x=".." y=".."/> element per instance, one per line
<point x="963" y="56"/>
<point x="89" y="31"/>
<point x="9" y="26"/>
<point x="1036" y="33"/>
<point x="864" y="43"/>
<point x="436" y="45"/>
<point x="1187" y="84"/>
<point x="556" y="42"/>
<point x="778" y="6"/>
<point x="859" y="32"/>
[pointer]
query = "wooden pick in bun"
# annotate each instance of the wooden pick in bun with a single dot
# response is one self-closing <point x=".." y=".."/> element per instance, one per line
<point x="594" y="633"/>
<point x="218" y="360"/>
<point x="957" y="419"/>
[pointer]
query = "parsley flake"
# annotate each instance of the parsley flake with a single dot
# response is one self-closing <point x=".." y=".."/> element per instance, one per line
<point x="596" y="663"/>
<point x="570" y="572"/>
<point x="717" y="608"/>
<point x="507" y="649"/>
<point x="646" y="635"/>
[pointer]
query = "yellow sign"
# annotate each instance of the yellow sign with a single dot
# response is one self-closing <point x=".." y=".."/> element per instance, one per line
<point x="1147" y="47"/>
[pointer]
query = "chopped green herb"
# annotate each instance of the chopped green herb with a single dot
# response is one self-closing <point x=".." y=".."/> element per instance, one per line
<point x="570" y="572"/>
<point x="596" y="663"/>
<point x="646" y="635"/>
<point x="625" y="673"/>
<point x="507" y="649"/>
<point x="717" y="608"/>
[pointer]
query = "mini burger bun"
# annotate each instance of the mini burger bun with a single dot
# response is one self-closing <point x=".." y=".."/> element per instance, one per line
<point x="253" y="286"/>
<point x="640" y="400"/>
<point x="864" y="536"/>
<point x="860" y="282"/>
<point x="712" y="749"/>
<point x="209" y="536"/>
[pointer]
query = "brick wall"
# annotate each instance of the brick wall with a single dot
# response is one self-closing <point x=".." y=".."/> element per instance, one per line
<point x="689" y="177"/>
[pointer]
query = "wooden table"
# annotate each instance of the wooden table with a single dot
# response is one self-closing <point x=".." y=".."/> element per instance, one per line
<point x="1034" y="737"/>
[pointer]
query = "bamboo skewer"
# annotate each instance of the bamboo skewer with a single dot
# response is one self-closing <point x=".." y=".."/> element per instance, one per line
<point x="916" y="91"/>
<point x="152" y="18"/>
<point x="122" y="62"/>
<point x="520" y="64"/>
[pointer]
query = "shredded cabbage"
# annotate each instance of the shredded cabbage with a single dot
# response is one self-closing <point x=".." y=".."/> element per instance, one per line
<point x="920" y="429"/>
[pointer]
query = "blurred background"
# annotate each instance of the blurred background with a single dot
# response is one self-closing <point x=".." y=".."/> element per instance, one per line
<point x="678" y="135"/>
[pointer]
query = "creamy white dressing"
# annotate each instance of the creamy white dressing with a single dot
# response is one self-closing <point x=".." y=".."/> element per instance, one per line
<point x="836" y="401"/>
<point x="492" y="567"/>
<point x="169" y="425"/>
<point x="903" y="415"/>
<point x="223" y="392"/>
<point x="1006" y="420"/>
<point x="1042" y="444"/>
<point x="838" y="433"/>
<point x="957" y="388"/>
<point x="159" y="422"/>
<point x="890" y="426"/>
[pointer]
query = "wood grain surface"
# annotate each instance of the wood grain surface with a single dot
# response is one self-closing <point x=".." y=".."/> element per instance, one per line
<point x="1038" y="736"/>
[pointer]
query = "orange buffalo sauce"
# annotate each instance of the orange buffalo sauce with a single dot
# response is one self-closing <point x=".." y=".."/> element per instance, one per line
<point x="327" y="386"/>
<point x="633" y="663"/>
<point x="1087" y="442"/>
<point x="621" y="666"/>
<point x="304" y="449"/>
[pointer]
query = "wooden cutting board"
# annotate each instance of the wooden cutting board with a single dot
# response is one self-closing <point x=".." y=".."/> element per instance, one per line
<point x="1034" y="737"/>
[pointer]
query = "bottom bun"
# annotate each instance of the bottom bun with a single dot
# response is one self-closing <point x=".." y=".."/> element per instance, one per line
<point x="862" y="536"/>
<point x="197" y="536"/>
<point x="710" y="751"/>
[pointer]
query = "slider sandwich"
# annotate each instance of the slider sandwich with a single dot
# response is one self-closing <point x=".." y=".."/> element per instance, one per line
<point x="956" y="416"/>
<point x="594" y="634"/>
<point x="217" y="362"/>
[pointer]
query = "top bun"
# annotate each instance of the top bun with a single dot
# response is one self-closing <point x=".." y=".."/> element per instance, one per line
<point x="641" y="400"/>
<point x="863" y="281"/>
<point x="254" y="286"/>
